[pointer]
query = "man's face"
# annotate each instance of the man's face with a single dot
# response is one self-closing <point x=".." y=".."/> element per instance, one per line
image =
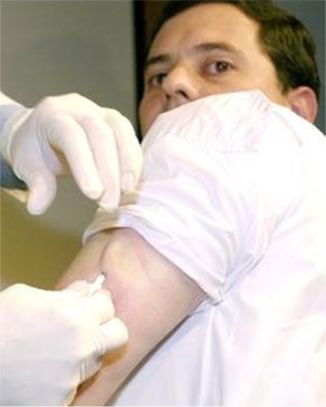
<point x="207" y="49"/>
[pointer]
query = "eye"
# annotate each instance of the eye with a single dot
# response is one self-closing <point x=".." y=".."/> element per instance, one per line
<point x="157" y="79"/>
<point x="218" y="67"/>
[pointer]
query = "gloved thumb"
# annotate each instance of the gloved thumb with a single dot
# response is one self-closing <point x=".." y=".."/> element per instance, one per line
<point x="42" y="190"/>
<point x="112" y="335"/>
<point x="115" y="334"/>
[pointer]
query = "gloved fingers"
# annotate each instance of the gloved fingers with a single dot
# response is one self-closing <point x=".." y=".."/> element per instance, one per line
<point x="80" y="287"/>
<point x="97" y="307"/>
<point x="83" y="288"/>
<point x="69" y="137"/>
<point x="115" y="334"/>
<point x="92" y="363"/>
<point x="103" y="145"/>
<point x="42" y="188"/>
<point x="129" y="150"/>
<point x="110" y="336"/>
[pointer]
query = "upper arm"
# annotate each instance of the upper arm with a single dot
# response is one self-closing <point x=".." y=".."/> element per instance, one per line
<point x="151" y="295"/>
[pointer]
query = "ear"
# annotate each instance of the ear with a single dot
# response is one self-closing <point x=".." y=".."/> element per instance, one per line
<point x="303" y="101"/>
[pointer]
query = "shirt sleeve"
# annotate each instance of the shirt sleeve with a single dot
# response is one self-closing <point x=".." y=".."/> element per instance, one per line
<point x="201" y="199"/>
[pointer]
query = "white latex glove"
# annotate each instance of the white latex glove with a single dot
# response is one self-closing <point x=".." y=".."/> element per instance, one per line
<point x="69" y="132"/>
<point x="51" y="341"/>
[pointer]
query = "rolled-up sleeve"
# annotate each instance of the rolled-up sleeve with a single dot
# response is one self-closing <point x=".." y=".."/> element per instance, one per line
<point x="198" y="202"/>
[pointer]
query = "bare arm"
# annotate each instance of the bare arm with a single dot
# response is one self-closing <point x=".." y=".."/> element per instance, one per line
<point x="151" y="295"/>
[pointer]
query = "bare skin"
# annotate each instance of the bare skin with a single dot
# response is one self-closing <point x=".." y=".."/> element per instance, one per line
<point x="151" y="295"/>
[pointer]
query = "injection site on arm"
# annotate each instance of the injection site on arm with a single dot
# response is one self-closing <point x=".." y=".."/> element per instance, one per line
<point x="151" y="296"/>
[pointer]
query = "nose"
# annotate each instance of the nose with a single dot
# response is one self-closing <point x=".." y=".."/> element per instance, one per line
<point x="180" y="86"/>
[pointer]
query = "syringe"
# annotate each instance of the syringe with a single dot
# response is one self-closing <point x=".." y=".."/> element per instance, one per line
<point x="97" y="283"/>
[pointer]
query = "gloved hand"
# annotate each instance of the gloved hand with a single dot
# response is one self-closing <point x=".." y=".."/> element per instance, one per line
<point x="51" y="341"/>
<point x="69" y="132"/>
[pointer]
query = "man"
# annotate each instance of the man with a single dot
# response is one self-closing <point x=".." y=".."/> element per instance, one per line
<point x="222" y="282"/>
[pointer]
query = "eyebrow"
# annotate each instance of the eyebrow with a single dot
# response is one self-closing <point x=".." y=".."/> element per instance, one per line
<point x="157" y="59"/>
<point x="219" y="46"/>
<point x="202" y="47"/>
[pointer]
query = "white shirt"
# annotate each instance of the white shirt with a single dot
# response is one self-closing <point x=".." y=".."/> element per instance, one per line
<point x="234" y="193"/>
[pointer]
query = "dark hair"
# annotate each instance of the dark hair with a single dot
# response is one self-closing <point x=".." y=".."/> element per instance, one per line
<point x="286" y="41"/>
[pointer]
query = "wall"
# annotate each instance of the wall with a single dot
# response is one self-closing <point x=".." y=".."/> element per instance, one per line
<point x="50" y="47"/>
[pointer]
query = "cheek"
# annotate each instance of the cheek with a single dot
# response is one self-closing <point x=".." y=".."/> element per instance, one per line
<point x="276" y="95"/>
<point x="268" y="82"/>
<point x="273" y="92"/>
